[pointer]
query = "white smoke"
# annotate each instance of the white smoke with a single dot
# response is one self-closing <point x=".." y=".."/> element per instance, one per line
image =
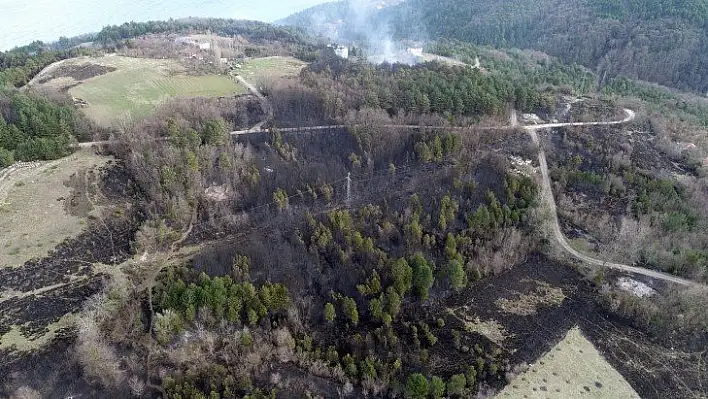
<point x="368" y="23"/>
<point x="364" y="26"/>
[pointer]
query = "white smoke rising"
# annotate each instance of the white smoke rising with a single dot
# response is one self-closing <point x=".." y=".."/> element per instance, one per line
<point x="364" y="25"/>
<point x="374" y="29"/>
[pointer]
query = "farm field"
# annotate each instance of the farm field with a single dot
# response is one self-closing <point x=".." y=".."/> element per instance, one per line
<point x="573" y="368"/>
<point x="121" y="89"/>
<point x="139" y="85"/>
<point x="259" y="70"/>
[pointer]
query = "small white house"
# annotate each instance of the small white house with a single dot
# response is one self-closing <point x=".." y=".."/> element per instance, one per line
<point x="204" y="46"/>
<point x="416" y="51"/>
<point x="342" y="51"/>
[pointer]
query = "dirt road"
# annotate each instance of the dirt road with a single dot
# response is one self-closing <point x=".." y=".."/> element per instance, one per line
<point x="547" y="196"/>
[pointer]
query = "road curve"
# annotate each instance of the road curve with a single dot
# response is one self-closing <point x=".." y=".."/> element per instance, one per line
<point x="547" y="193"/>
<point x="547" y="196"/>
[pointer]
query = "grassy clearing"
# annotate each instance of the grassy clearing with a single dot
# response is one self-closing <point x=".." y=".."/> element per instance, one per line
<point x="139" y="85"/>
<point x="17" y="340"/>
<point x="491" y="329"/>
<point x="33" y="219"/>
<point x="572" y="369"/>
<point x="527" y="304"/>
<point x="260" y="70"/>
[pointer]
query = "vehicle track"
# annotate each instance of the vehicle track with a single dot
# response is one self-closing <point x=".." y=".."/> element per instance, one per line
<point x="547" y="196"/>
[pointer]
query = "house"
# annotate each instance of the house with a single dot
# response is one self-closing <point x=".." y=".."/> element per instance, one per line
<point x="342" y="51"/>
<point x="416" y="51"/>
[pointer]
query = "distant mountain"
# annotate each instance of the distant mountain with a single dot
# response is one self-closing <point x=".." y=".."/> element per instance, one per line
<point x="662" y="41"/>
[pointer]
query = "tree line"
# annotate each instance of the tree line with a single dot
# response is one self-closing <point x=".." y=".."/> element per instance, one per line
<point x="18" y="66"/>
<point x="421" y="89"/>
<point x="662" y="41"/>
<point x="32" y="127"/>
<point x="255" y="30"/>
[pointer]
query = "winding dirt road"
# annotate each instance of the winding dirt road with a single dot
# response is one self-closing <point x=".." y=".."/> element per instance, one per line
<point x="547" y="196"/>
<point x="547" y="193"/>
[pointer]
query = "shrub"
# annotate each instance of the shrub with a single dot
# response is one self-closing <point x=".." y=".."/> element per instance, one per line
<point x="456" y="385"/>
<point x="167" y="324"/>
<point x="457" y="275"/>
<point x="376" y="309"/>
<point x="437" y="387"/>
<point x="350" y="310"/>
<point x="402" y="275"/>
<point x="372" y="286"/>
<point x="417" y="386"/>
<point x="450" y="246"/>
<point x="280" y="197"/>
<point x="329" y="312"/>
<point x="327" y="191"/>
<point x="422" y="276"/>
<point x="393" y="301"/>
<point x="7" y="158"/>
<point x="471" y="376"/>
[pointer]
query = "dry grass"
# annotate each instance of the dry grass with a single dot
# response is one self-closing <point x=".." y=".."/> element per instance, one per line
<point x="528" y="304"/>
<point x="32" y="216"/>
<point x="491" y="329"/>
<point x="15" y="339"/>
<point x="572" y="369"/>
<point x="258" y="71"/>
<point x="138" y="86"/>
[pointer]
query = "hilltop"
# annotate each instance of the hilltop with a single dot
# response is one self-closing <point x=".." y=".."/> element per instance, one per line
<point x="662" y="41"/>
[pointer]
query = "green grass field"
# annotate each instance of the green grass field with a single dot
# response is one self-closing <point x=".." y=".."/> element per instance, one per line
<point x="259" y="70"/>
<point x="572" y="369"/>
<point x="140" y="85"/>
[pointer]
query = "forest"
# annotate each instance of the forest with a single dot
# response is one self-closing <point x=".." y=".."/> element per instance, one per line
<point x="18" y="66"/>
<point x="403" y="242"/>
<point x="421" y="89"/>
<point x="371" y="259"/>
<point x="330" y="89"/>
<point x="35" y="128"/>
<point x="661" y="41"/>
<point x="255" y="30"/>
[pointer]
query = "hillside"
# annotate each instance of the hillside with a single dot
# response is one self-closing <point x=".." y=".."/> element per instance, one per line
<point x="662" y="41"/>
<point x="485" y="223"/>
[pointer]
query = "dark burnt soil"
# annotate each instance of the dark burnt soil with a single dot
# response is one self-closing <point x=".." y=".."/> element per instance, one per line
<point x="603" y="153"/>
<point x="64" y="280"/>
<point x="49" y="370"/>
<point x="643" y="363"/>
<point x="78" y="72"/>
<point x="293" y="382"/>
<point x="592" y="109"/>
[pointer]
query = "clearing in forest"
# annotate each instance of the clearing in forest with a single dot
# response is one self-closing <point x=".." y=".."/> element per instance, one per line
<point x="117" y="88"/>
<point x="572" y="369"/>
<point x="258" y="71"/>
<point x="43" y="204"/>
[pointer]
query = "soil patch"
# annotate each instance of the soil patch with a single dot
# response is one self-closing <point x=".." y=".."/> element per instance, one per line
<point x="78" y="72"/>
<point x="526" y="304"/>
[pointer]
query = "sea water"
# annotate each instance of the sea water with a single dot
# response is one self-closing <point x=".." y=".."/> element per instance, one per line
<point x="24" y="21"/>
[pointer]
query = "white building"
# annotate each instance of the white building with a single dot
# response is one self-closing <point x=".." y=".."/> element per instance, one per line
<point x="416" y="51"/>
<point x="204" y="46"/>
<point x="342" y="51"/>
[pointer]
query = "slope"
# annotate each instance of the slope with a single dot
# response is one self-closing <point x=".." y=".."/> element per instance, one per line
<point x="662" y="41"/>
